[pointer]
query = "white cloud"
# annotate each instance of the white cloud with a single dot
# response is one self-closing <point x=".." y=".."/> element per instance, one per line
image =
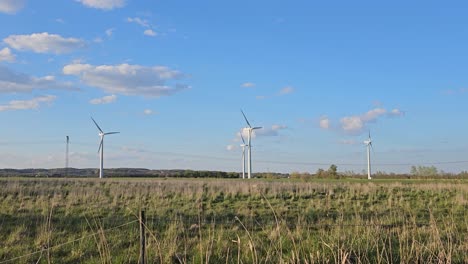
<point x="149" y="32"/>
<point x="6" y="55"/>
<point x="143" y="23"/>
<point x="103" y="4"/>
<point x="148" y="112"/>
<point x="104" y="100"/>
<point x="248" y="85"/>
<point x="44" y="43"/>
<point x="11" y="6"/>
<point x="352" y="124"/>
<point x="12" y="82"/>
<point x="27" y="104"/>
<point x="272" y="131"/>
<point x="286" y="90"/>
<point x="396" y="113"/>
<point x="231" y="147"/>
<point x="373" y="114"/>
<point x="139" y="21"/>
<point x="129" y="79"/>
<point x="324" y="122"/>
<point x="110" y="31"/>
<point x="357" y="124"/>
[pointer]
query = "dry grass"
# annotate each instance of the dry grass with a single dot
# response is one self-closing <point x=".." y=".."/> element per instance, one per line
<point x="233" y="221"/>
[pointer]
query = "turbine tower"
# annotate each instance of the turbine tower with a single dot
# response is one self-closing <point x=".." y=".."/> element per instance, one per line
<point x="243" y="145"/>
<point x="368" y="144"/>
<point x="101" y="148"/>
<point x="249" y="144"/>
<point x="66" y="156"/>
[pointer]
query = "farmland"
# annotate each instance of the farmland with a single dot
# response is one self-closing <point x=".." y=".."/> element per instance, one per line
<point x="234" y="221"/>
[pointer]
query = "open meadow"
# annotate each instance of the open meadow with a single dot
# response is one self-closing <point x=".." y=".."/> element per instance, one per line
<point x="233" y="221"/>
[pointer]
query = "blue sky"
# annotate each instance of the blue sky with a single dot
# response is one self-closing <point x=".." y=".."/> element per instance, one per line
<point x="172" y="76"/>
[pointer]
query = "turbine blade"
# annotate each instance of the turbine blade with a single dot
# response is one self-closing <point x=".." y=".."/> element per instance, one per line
<point x="97" y="125"/>
<point x="110" y="133"/>
<point x="246" y="119"/>
<point x="242" y="137"/>
<point x="257" y="128"/>
<point x="100" y="145"/>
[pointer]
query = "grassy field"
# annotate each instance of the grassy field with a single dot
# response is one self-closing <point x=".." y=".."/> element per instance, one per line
<point x="233" y="221"/>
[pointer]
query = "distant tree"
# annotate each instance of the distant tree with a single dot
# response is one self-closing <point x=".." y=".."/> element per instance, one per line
<point x="424" y="171"/>
<point x="320" y="173"/>
<point x="333" y="170"/>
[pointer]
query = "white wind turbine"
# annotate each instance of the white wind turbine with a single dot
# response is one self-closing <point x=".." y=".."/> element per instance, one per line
<point x="243" y="145"/>
<point x="368" y="144"/>
<point x="249" y="144"/>
<point x="101" y="148"/>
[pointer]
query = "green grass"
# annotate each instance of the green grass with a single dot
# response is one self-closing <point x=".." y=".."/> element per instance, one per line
<point x="234" y="221"/>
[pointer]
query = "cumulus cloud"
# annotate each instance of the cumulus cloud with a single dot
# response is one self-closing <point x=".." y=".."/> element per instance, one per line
<point x="357" y="124"/>
<point x="148" y="112"/>
<point x="324" y="122"/>
<point x="44" y="43"/>
<point x="248" y="85"/>
<point x="352" y="124"/>
<point x="110" y="31"/>
<point x="11" y="6"/>
<point x="104" y="100"/>
<point x="149" y="32"/>
<point x="143" y="23"/>
<point x="6" y="55"/>
<point x="34" y="103"/>
<point x="373" y="114"/>
<point x="272" y="131"/>
<point x="12" y="82"/>
<point x="129" y="79"/>
<point x="396" y="113"/>
<point x="98" y="40"/>
<point x="103" y="4"/>
<point x="286" y="90"/>
<point x="139" y="21"/>
<point x="231" y="147"/>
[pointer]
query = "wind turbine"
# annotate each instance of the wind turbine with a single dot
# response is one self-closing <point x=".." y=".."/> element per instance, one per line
<point x="66" y="156"/>
<point x="243" y="155"/>
<point x="101" y="148"/>
<point x="368" y="144"/>
<point x="249" y="145"/>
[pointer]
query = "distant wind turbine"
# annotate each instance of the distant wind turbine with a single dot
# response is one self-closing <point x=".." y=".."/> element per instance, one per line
<point x="368" y="144"/>
<point x="101" y="148"/>
<point x="243" y="145"/>
<point x="249" y="144"/>
<point x="66" y="156"/>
